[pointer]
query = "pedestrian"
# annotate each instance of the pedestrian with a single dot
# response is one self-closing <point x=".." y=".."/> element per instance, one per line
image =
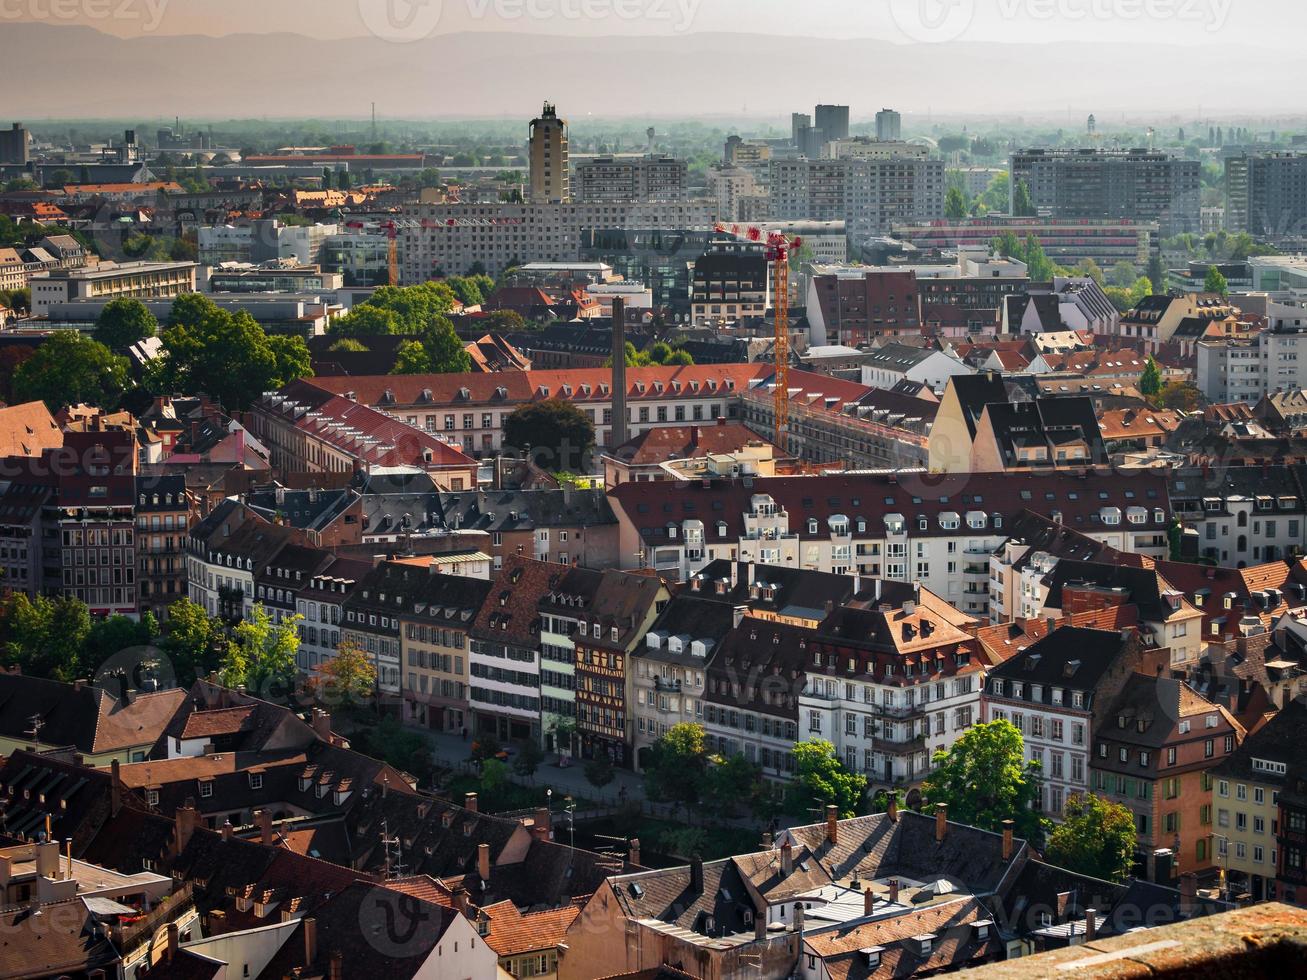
<point x="464" y="732"/>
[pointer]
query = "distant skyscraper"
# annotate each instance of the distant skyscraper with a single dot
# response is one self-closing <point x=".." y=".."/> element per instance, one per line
<point x="799" y="121"/>
<point x="1092" y="124"/>
<point x="832" y="121"/>
<point x="889" y="125"/>
<point x="549" y="162"/>
<point x="13" y="145"/>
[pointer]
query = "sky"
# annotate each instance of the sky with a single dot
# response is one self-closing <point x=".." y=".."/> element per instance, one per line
<point x="1270" y="23"/>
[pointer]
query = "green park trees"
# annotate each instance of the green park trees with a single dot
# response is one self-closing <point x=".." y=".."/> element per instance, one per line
<point x="1096" y="838"/>
<point x="554" y="432"/>
<point x="69" y="369"/>
<point x="123" y="322"/>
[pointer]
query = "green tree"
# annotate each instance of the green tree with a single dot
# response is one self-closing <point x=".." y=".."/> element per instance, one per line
<point x="45" y="636"/>
<point x="123" y="322"/>
<point x="675" y="765"/>
<point x="397" y="745"/>
<point x="411" y="358"/>
<point x="820" y="780"/>
<point x="732" y="783"/>
<point x="1123" y="274"/>
<point x="1150" y="382"/>
<point x="261" y="654"/>
<point x="1038" y="265"/>
<point x="445" y="351"/>
<point x="1096" y="838"/>
<point x="1009" y="246"/>
<point x="291" y="359"/>
<point x="1141" y="289"/>
<point x="1089" y="268"/>
<point x="1121" y="299"/>
<point x="68" y="369"/>
<point x="348" y="344"/>
<point x="1215" y="282"/>
<point x="995" y="197"/>
<point x="528" y="759"/>
<point x="365" y="321"/>
<point x="414" y="306"/>
<point x="1022" y="206"/>
<point x="505" y="321"/>
<point x="115" y="634"/>
<point x="955" y="204"/>
<point x="494" y="777"/>
<point x="554" y="432"/>
<point x="1157" y="274"/>
<point x="599" y="771"/>
<point x="984" y="779"/>
<point x="194" y="641"/>
<point x="1179" y="395"/>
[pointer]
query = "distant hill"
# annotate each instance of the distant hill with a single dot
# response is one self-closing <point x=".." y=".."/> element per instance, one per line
<point x="71" y="71"/>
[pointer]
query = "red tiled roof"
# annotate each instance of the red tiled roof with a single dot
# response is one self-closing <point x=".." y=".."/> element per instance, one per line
<point x="682" y="441"/>
<point x="513" y="932"/>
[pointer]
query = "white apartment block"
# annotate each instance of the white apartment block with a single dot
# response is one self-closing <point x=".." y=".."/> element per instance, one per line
<point x="869" y="195"/>
<point x="453" y="238"/>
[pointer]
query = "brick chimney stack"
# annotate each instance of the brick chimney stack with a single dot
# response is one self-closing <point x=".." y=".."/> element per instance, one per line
<point x="1007" y="840"/>
<point x="470" y="802"/>
<point x="483" y="861"/>
<point x="618" y="433"/>
<point x="941" y="822"/>
<point x="833" y="824"/>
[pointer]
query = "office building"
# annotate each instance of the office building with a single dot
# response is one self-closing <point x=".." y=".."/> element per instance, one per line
<point x="889" y="125"/>
<point x="111" y="280"/>
<point x="731" y="282"/>
<point x="1139" y="184"/>
<point x="549" y="162"/>
<point x="832" y="121"/>
<point x="1065" y="241"/>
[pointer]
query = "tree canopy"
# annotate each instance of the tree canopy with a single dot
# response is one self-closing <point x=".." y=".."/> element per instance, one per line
<point x="1096" y="838"/>
<point x="261" y="654"/>
<point x="1215" y="282"/>
<point x="229" y="356"/>
<point x="68" y="369"/>
<point x="348" y="678"/>
<point x="820" y="780"/>
<point x="45" y="636"/>
<point x="1022" y="207"/>
<point x="1150" y="382"/>
<point x="555" y="433"/>
<point x="675" y="766"/>
<point x="123" y="322"/>
<point x="984" y="779"/>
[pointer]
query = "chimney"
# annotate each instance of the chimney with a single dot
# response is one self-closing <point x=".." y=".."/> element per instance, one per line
<point x="174" y="936"/>
<point x="766" y="840"/>
<point x="893" y="891"/>
<point x="696" y="874"/>
<point x="868" y="901"/>
<point x="893" y="808"/>
<point x="787" y="859"/>
<point x="483" y="861"/>
<point x="1188" y="894"/>
<point x="185" y="820"/>
<point x="833" y="823"/>
<point x="226" y="830"/>
<point x="264" y="819"/>
<point x="310" y="940"/>
<point x="116" y="789"/>
<point x="322" y="724"/>
<point x="798" y="917"/>
<point x="336" y="968"/>
<point x="760" y="925"/>
<point x="1091" y="924"/>
<point x="634" y="856"/>
<point x="470" y="802"/>
<point x="543" y="821"/>
<point x="941" y="822"/>
<point x="618" y="433"/>
<point x="47" y="859"/>
<point x="68" y="849"/>
<point x="1007" y="840"/>
<point x="460" y="899"/>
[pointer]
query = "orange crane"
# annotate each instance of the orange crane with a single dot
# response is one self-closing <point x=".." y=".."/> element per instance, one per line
<point x="778" y="249"/>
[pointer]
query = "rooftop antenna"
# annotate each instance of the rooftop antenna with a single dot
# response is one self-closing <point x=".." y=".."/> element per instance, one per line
<point x="37" y="723"/>
<point x="394" y="855"/>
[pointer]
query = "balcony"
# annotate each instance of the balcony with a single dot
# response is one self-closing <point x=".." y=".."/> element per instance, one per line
<point x="668" y="685"/>
<point x="898" y="710"/>
<point x="895" y="747"/>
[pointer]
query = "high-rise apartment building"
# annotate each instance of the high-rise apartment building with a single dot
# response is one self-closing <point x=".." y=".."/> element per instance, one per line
<point x="1266" y="195"/>
<point x="1139" y="184"/>
<point x="13" y="145"/>
<point x="631" y="179"/>
<point x="549" y="163"/>
<point x="868" y="195"/>
<point x="889" y="125"/>
<point x="832" y="121"/>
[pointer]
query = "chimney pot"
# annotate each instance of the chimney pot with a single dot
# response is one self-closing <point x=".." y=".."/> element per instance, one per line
<point x="634" y="856"/>
<point x="227" y="830"/>
<point x="116" y="788"/>
<point x="483" y="861"/>
<point x="174" y="936"/>
<point x="470" y="802"/>
<point x="264" y="819"/>
<point x="833" y="823"/>
<point x="1007" y="839"/>
<point x="310" y="941"/>
<point x="787" y="859"/>
<point x="893" y="808"/>
<point x="941" y="822"/>
<point x="894" y="891"/>
<point x="1091" y="924"/>
<point x="868" y="901"/>
<point x="696" y="874"/>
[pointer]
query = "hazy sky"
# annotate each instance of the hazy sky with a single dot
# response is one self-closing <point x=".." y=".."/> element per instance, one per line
<point x="1275" y="23"/>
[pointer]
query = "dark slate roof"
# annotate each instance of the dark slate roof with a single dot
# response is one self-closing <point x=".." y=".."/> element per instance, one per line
<point x="523" y="510"/>
<point x="975" y="391"/>
<point x="306" y="509"/>
<point x="1280" y="740"/>
<point x="76" y="799"/>
<point x="698" y="617"/>
<point x="63" y="939"/>
<point x="1050" y="661"/>
<point x="1143" y="587"/>
<point x="1050" y="537"/>
<point x="85" y="717"/>
<point x="1046" y="421"/>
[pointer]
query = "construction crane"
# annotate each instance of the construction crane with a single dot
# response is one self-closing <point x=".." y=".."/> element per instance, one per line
<point x="778" y="248"/>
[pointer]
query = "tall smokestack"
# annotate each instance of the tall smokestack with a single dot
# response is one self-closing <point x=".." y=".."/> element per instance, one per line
<point x="618" y="433"/>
